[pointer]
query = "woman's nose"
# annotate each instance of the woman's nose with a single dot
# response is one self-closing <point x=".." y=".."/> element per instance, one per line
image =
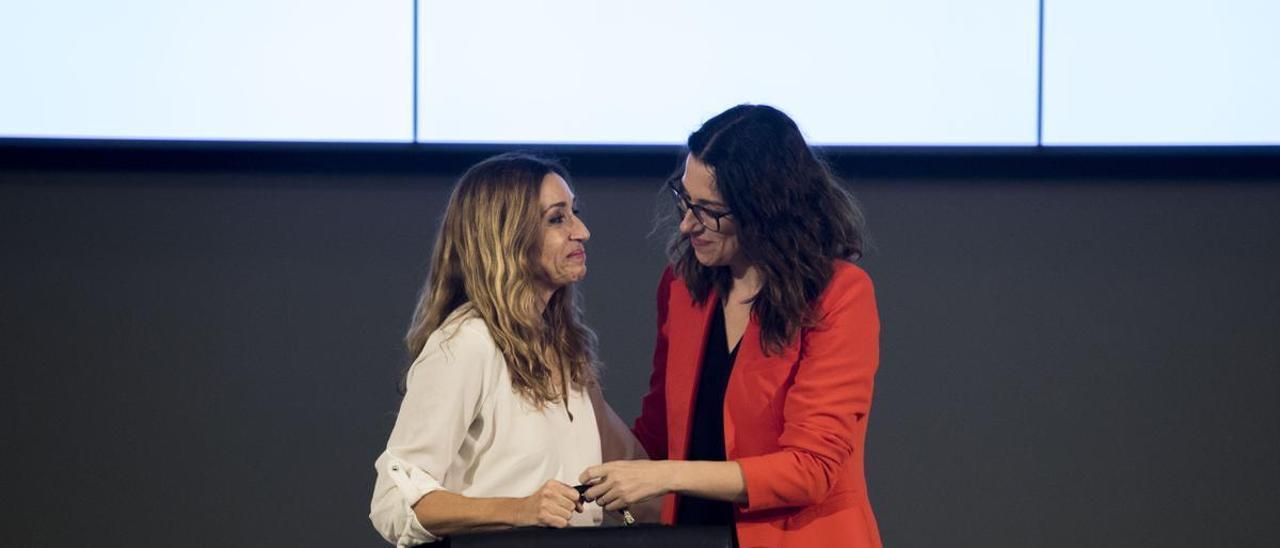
<point x="581" y="233"/>
<point x="689" y="223"/>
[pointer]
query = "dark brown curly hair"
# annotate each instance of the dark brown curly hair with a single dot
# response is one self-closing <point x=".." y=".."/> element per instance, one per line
<point x="794" y="217"/>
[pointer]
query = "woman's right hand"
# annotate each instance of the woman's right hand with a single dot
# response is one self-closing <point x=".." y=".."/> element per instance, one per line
<point x="550" y="506"/>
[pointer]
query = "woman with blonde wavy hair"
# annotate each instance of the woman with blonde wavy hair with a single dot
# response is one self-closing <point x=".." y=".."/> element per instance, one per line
<point x="501" y="406"/>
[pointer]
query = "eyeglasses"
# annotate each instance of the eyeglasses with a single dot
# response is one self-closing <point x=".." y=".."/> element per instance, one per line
<point x="705" y="217"/>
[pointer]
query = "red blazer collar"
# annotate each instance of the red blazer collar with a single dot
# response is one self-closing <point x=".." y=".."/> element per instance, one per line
<point x="687" y="341"/>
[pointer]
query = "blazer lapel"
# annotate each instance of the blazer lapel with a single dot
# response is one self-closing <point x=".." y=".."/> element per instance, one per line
<point x="687" y="341"/>
<point x="748" y="352"/>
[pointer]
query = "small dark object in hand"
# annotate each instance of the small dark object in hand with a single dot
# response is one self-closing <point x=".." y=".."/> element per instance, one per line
<point x="627" y="518"/>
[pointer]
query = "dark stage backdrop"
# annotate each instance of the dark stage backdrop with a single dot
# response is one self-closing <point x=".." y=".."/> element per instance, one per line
<point x="209" y="358"/>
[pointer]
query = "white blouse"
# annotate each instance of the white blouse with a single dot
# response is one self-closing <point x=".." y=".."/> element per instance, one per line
<point x="463" y="428"/>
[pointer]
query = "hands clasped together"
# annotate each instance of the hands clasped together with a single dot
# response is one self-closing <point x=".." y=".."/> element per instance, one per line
<point x="622" y="483"/>
<point x="615" y="486"/>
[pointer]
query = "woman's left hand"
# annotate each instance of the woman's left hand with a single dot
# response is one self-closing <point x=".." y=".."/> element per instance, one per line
<point x="622" y="483"/>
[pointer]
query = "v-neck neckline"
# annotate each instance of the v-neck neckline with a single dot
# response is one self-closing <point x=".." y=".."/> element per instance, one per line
<point x="721" y="323"/>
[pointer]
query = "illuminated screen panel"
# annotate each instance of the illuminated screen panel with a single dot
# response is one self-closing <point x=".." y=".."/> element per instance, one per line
<point x="851" y="72"/>
<point x="231" y="69"/>
<point x="1162" y="72"/>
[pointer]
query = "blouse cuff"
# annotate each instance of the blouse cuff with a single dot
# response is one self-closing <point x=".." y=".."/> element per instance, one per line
<point x="413" y="483"/>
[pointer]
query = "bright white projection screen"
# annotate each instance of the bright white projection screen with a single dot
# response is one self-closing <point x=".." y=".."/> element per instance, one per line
<point x="1158" y="72"/>
<point x="620" y="72"/>
<point x="850" y="72"/>
<point x="296" y="70"/>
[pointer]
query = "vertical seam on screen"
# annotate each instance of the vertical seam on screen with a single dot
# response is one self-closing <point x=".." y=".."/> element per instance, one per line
<point x="1040" y="77"/>
<point x="415" y="72"/>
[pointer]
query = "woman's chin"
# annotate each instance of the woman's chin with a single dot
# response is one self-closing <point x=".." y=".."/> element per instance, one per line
<point x="574" y="275"/>
<point x="707" y="259"/>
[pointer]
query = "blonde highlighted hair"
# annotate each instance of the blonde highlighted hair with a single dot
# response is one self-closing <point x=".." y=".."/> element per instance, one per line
<point x="486" y="259"/>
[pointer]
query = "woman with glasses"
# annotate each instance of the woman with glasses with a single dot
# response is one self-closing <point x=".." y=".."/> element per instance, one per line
<point x="767" y="347"/>
<point x="501" y="407"/>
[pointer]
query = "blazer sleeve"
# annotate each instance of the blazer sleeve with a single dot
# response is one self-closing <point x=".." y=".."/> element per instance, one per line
<point x="651" y="427"/>
<point x="831" y="394"/>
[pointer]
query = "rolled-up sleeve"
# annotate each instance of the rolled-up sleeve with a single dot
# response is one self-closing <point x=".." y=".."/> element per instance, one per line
<point x="398" y="487"/>
<point x="444" y="391"/>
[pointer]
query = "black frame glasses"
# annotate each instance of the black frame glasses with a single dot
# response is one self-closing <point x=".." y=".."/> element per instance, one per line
<point x="705" y="217"/>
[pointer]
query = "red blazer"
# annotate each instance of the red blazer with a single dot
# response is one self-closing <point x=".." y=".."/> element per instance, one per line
<point x="794" y="421"/>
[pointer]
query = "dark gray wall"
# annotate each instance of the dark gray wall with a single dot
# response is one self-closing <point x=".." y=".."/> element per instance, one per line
<point x="208" y="359"/>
